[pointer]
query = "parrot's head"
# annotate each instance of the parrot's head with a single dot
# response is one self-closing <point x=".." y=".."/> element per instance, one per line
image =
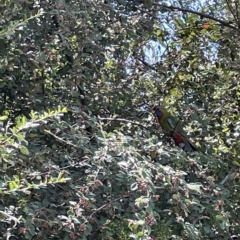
<point x="158" y="112"/>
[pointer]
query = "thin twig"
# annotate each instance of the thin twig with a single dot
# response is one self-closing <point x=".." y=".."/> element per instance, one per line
<point x="227" y="177"/>
<point x="231" y="10"/>
<point x="224" y="23"/>
<point x="237" y="13"/>
<point x="123" y="120"/>
<point x="146" y="64"/>
<point x="61" y="140"/>
<point x="106" y="204"/>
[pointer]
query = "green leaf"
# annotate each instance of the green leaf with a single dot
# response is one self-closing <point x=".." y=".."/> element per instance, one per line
<point x="3" y="118"/>
<point x="207" y="229"/>
<point x="123" y="2"/>
<point x="31" y="229"/>
<point x="194" y="187"/>
<point x="13" y="185"/>
<point x="140" y="234"/>
<point x="219" y="217"/>
<point x="24" y="150"/>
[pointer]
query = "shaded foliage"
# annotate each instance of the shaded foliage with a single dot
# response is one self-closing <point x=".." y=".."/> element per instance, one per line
<point x="81" y="154"/>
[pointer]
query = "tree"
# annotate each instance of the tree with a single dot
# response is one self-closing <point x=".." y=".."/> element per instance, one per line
<point x="81" y="154"/>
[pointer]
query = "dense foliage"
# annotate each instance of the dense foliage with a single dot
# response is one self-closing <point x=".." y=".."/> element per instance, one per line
<point x="81" y="154"/>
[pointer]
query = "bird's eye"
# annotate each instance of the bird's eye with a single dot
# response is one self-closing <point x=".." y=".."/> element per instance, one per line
<point x="158" y="113"/>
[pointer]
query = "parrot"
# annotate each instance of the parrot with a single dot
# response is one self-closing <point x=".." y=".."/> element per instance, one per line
<point x="173" y="128"/>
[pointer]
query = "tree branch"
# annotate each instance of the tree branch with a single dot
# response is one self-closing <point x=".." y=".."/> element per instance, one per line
<point x="227" y="177"/>
<point x="231" y="10"/>
<point x="123" y="120"/>
<point x="146" y="64"/>
<point x="224" y="23"/>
